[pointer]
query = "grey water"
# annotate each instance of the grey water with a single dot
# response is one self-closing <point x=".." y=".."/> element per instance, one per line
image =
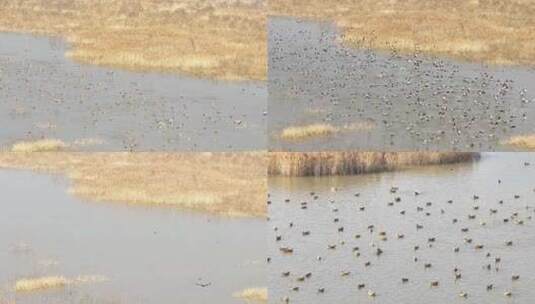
<point x="45" y="95"/>
<point x="148" y="255"/>
<point x="414" y="102"/>
<point x="340" y="209"/>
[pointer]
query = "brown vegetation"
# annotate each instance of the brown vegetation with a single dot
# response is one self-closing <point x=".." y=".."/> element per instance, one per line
<point x="349" y="163"/>
<point x="254" y="295"/>
<point x="305" y="132"/>
<point x="522" y="141"/>
<point x="496" y="32"/>
<point x="232" y="184"/>
<point x="221" y="39"/>
<point x="308" y="131"/>
<point x="43" y="145"/>
<point x="51" y="282"/>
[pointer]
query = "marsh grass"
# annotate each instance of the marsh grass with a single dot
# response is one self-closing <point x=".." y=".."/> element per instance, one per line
<point x="253" y="295"/>
<point x="203" y="38"/>
<point x="350" y="163"/>
<point x="309" y="131"/>
<point x="305" y="132"/>
<point x="26" y="285"/>
<point x="53" y="282"/>
<point x="43" y="145"/>
<point x="521" y="141"/>
<point x="231" y="184"/>
<point x="494" y="32"/>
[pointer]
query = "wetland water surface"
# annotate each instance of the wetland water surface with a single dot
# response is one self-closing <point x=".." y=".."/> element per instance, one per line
<point x="149" y="255"/>
<point x="335" y="227"/>
<point x="410" y="102"/>
<point x="43" y="94"/>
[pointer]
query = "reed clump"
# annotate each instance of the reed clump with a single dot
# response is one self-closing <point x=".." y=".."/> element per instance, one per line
<point x="494" y="32"/>
<point x="351" y="163"/>
<point x="306" y="132"/>
<point x="202" y="38"/>
<point x="43" y="145"/>
<point x="52" y="282"/>
<point x="522" y="141"/>
<point x="256" y="295"/>
<point x="309" y="131"/>
<point x="25" y="285"/>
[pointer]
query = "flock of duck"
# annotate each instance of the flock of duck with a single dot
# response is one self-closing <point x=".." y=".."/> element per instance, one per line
<point x="49" y="96"/>
<point x="415" y="101"/>
<point x="321" y="235"/>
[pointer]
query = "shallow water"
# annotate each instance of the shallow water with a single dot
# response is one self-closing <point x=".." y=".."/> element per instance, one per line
<point x="414" y="102"/>
<point x="45" y="95"/>
<point x="436" y="184"/>
<point x="150" y="255"/>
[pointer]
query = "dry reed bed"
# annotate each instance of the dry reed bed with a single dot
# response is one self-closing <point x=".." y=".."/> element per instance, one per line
<point x="255" y="295"/>
<point x="350" y="163"/>
<point x="42" y="145"/>
<point x="232" y="184"/>
<point x="522" y="141"/>
<point x="299" y="133"/>
<point x="221" y="39"/>
<point x="495" y="32"/>
<point x="305" y="132"/>
<point x="52" y="282"/>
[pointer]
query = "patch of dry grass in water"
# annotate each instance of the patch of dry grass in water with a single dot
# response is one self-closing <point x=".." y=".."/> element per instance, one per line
<point x="51" y="282"/>
<point x="44" y="145"/>
<point x="305" y="132"/>
<point x="232" y="184"/>
<point x="204" y="38"/>
<point x="258" y="295"/>
<point x="496" y="32"/>
<point x="308" y="131"/>
<point x="350" y="163"/>
<point x="521" y="141"/>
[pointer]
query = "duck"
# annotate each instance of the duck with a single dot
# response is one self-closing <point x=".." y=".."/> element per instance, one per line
<point x="287" y="250"/>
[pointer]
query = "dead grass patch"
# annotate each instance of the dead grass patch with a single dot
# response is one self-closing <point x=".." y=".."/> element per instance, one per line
<point x="522" y="141"/>
<point x="52" y="282"/>
<point x="256" y="295"/>
<point x="308" y="131"/>
<point x="43" y="145"/>
<point x="350" y="163"/>
<point x="495" y="32"/>
<point x="300" y="133"/>
<point x="232" y="184"/>
<point x="203" y="38"/>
